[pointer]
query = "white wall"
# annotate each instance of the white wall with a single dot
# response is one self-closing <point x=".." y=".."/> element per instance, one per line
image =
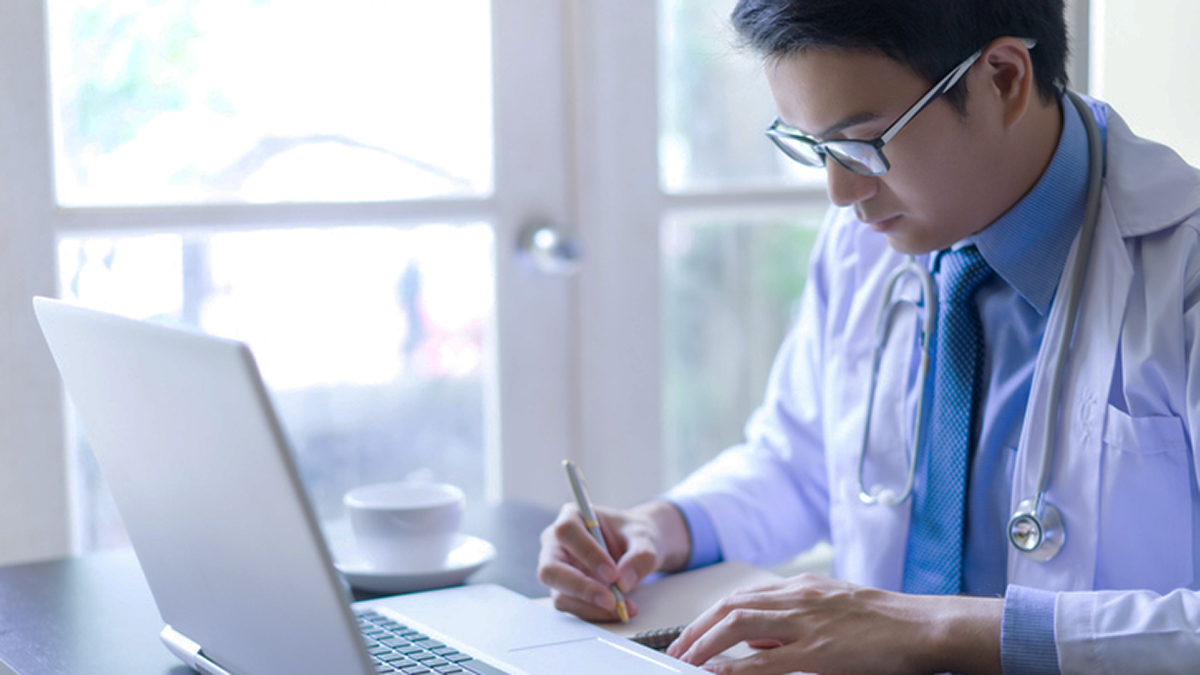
<point x="1146" y="63"/>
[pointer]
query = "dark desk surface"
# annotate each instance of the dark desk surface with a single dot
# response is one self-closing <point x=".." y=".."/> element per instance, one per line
<point x="94" y="614"/>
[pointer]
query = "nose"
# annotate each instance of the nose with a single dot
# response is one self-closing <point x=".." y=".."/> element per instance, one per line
<point x="845" y="187"/>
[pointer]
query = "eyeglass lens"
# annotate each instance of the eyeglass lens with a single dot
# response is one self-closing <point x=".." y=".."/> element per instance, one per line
<point x="856" y="156"/>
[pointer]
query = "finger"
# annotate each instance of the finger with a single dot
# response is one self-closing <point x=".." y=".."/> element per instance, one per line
<point x="614" y="536"/>
<point x="702" y="624"/>
<point x="764" y="644"/>
<point x="772" y="586"/>
<point x="569" y="532"/>
<point x="691" y="633"/>
<point x="762" y="663"/>
<point x="739" y="625"/>
<point x="591" y="611"/>
<point x="637" y="563"/>
<point x="566" y="579"/>
<point x="769" y="596"/>
<point x="779" y="596"/>
<point x="761" y="598"/>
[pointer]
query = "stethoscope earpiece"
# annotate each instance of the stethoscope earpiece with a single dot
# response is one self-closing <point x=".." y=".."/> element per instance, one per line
<point x="880" y="495"/>
<point x="887" y="497"/>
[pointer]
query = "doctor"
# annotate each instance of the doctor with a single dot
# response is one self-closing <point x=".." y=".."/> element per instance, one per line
<point x="946" y="134"/>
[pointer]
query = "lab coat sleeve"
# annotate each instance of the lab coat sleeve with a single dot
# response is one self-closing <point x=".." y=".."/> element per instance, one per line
<point x="1135" y="631"/>
<point x="1128" y="632"/>
<point x="1027" y="632"/>
<point x="767" y="499"/>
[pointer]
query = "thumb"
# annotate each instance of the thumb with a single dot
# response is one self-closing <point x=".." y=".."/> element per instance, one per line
<point x="637" y="563"/>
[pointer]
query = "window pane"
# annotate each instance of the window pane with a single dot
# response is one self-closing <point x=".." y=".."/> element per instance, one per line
<point x="730" y="287"/>
<point x="181" y="101"/>
<point x="372" y="341"/>
<point x="714" y="106"/>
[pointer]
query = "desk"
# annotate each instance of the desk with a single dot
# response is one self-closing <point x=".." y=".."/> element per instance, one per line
<point x="94" y="614"/>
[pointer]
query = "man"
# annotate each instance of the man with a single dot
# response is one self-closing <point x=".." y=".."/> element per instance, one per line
<point x="986" y="184"/>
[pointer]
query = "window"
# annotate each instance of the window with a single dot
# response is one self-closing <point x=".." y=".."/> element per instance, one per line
<point x="341" y="188"/>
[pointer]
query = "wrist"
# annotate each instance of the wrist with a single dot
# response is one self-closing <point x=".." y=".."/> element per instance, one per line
<point x="965" y="635"/>
<point x="672" y="540"/>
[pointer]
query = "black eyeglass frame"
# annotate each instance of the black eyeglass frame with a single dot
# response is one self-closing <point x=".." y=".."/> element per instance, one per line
<point x="844" y="151"/>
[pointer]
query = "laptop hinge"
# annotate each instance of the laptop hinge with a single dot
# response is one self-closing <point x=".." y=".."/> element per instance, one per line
<point x="189" y="652"/>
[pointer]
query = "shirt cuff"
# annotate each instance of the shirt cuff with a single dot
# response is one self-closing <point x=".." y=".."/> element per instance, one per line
<point x="1027" y="632"/>
<point x="706" y="549"/>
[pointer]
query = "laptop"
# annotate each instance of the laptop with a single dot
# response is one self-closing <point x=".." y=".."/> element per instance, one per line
<point x="202" y="475"/>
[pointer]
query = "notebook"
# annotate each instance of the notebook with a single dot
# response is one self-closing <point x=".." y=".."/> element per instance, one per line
<point x="667" y="603"/>
<point x="201" y="472"/>
<point x="677" y="599"/>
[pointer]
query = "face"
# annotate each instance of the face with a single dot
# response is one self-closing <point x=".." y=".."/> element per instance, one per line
<point x="936" y="192"/>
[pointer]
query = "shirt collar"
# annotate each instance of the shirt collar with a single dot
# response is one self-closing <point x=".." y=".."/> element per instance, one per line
<point x="1028" y="245"/>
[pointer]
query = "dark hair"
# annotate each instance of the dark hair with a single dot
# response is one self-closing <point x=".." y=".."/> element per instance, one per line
<point x="929" y="36"/>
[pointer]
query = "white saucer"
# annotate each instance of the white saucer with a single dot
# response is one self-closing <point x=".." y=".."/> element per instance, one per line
<point x="468" y="555"/>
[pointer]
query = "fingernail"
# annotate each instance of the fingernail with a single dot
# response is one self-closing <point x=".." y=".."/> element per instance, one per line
<point x="627" y="580"/>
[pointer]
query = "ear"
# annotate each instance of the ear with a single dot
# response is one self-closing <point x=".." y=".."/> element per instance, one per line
<point x="1009" y="78"/>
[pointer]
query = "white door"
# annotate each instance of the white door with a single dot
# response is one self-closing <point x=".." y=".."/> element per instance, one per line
<point x="697" y="235"/>
<point x="341" y="185"/>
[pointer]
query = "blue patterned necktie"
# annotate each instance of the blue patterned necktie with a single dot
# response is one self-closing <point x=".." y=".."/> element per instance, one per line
<point x="935" y="540"/>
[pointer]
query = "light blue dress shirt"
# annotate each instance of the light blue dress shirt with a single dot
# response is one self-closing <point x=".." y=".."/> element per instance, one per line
<point x="1028" y="248"/>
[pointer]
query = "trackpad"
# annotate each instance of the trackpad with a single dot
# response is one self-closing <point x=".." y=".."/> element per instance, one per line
<point x="576" y="656"/>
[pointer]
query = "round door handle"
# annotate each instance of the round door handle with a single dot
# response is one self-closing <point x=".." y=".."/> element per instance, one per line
<point x="543" y="248"/>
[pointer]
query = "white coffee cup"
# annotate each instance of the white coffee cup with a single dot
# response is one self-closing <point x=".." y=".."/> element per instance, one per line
<point x="405" y="526"/>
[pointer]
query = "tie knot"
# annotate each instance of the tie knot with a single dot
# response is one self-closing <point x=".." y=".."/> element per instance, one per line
<point x="960" y="273"/>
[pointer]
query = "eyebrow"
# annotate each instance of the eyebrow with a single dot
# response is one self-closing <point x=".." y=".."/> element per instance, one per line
<point x="849" y="121"/>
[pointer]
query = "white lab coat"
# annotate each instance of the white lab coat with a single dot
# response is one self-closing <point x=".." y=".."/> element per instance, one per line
<point x="1124" y="473"/>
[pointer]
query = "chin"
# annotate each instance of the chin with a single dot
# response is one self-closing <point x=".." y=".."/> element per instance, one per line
<point x="910" y="246"/>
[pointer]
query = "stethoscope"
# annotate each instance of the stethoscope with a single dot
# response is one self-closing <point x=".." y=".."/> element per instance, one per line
<point x="1036" y="527"/>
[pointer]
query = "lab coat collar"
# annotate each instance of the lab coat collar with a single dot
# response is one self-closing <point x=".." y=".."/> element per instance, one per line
<point x="1149" y="185"/>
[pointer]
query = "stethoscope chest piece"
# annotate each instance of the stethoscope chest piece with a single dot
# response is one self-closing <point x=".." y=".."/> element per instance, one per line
<point x="1040" y="538"/>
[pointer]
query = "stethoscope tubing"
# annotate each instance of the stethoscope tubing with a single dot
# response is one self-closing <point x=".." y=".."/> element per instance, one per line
<point x="886" y="497"/>
<point x="928" y="302"/>
<point x="1078" y="273"/>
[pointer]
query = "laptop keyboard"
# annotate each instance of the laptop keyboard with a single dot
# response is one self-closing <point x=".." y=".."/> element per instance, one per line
<point x="396" y="648"/>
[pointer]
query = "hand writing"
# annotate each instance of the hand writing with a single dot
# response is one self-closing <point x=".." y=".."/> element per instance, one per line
<point x="578" y="571"/>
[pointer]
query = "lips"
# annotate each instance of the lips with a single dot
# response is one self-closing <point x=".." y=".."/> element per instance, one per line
<point x="881" y="224"/>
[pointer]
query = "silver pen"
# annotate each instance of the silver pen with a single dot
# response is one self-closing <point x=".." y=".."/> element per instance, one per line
<point x="593" y="526"/>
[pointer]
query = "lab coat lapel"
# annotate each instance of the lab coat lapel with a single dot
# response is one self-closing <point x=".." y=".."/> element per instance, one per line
<point x="1074" y="484"/>
<point x="869" y="540"/>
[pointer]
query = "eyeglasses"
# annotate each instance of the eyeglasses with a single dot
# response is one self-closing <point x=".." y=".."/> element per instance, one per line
<point x="864" y="157"/>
